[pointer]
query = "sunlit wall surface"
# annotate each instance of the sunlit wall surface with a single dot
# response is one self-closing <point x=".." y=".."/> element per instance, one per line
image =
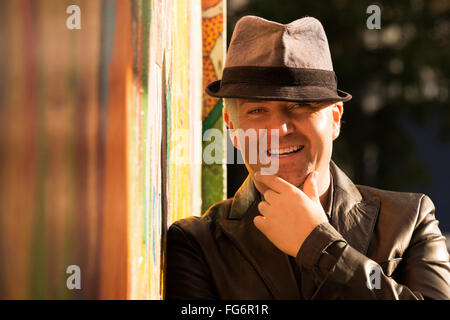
<point x="100" y="143"/>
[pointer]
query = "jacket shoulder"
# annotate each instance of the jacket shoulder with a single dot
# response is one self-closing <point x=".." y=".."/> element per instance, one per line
<point x="409" y="204"/>
<point x="197" y="225"/>
<point x="398" y="197"/>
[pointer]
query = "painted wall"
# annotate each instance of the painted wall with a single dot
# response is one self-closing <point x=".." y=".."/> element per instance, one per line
<point x="214" y="186"/>
<point x="100" y="141"/>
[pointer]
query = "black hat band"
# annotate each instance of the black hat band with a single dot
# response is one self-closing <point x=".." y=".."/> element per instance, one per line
<point x="282" y="76"/>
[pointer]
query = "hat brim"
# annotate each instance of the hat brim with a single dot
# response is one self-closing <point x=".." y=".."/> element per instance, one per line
<point x="276" y="93"/>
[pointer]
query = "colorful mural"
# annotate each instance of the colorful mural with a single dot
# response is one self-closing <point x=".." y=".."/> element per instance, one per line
<point x="214" y="187"/>
<point x="100" y="141"/>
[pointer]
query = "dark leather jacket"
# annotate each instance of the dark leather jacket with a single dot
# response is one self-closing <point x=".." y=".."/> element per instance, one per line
<point x="371" y="233"/>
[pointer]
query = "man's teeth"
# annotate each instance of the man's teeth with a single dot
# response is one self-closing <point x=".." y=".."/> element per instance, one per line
<point x="285" y="150"/>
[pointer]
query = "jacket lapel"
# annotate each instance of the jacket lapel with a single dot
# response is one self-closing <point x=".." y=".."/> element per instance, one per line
<point x="353" y="217"/>
<point x="270" y="263"/>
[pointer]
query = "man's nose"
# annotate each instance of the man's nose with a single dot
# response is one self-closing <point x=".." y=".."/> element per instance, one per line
<point x="283" y="123"/>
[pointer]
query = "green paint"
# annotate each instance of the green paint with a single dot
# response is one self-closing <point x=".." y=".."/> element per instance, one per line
<point x="145" y="19"/>
<point x="213" y="116"/>
<point x="213" y="176"/>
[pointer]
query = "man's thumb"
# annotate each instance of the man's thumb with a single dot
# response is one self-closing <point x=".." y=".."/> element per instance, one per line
<point x="310" y="187"/>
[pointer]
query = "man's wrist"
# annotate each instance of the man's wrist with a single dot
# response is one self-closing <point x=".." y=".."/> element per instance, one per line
<point x="316" y="244"/>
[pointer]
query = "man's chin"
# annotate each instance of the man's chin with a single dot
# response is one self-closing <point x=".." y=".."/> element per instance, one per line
<point x="294" y="180"/>
<point x="295" y="177"/>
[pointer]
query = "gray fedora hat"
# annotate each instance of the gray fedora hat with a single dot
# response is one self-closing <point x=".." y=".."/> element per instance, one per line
<point x="272" y="61"/>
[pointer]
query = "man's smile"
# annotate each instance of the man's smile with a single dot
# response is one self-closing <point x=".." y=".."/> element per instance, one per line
<point x="285" y="152"/>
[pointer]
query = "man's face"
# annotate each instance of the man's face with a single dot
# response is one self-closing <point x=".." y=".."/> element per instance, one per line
<point x="305" y="132"/>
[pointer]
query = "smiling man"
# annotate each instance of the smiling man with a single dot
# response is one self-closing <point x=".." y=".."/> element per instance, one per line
<point x="306" y="231"/>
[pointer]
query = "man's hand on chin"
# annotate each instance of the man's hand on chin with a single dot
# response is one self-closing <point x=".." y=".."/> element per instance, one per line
<point x="288" y="214"/>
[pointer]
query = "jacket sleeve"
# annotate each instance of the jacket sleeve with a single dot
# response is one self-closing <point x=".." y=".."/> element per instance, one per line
<point x="187" y="275"/>
<point x="424" y="271"/>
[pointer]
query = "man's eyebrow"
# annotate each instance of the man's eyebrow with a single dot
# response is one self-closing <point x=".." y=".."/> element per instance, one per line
<point x="252" y="101"/>
<point x="304" y="104"/>
<point x="314" y="104"/>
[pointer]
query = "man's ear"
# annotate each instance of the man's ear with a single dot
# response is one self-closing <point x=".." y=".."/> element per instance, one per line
<point x="226" y="118"/>
<point x="230" y="126"/>
<point x="337" y="111"/>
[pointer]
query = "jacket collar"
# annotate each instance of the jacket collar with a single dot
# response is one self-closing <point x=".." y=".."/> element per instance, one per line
<point x="352" y="216"/>
<point x="244" y="198"/>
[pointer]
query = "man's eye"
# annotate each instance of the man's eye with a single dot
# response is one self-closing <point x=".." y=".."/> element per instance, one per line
<point x="296" y="106"/>
<point x="258" y="110"/>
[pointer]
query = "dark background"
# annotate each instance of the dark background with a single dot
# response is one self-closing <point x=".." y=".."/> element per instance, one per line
<point x="396" y="129"/>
